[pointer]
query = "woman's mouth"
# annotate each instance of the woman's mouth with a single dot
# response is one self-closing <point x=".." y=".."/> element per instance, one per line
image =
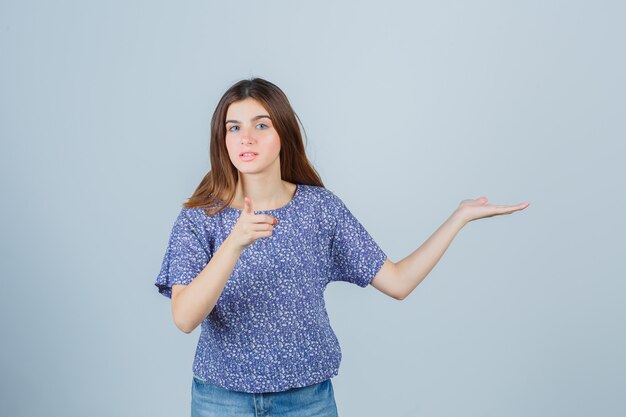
<point x="248" y="156"/>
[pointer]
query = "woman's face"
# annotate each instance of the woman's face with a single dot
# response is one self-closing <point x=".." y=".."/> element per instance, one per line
<point x="249" y="129"/>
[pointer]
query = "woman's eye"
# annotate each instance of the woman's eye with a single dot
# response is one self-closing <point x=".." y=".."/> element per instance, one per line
<point x="234" y="128"/>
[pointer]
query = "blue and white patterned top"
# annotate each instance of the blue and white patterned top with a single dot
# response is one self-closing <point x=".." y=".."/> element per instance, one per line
<point x="269" y="330"/>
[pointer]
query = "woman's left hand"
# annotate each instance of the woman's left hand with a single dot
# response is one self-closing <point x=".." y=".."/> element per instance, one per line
<point x="470" y="210"/>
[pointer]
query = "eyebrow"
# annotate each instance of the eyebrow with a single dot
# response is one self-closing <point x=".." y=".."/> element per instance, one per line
<point x="260" y="116"/>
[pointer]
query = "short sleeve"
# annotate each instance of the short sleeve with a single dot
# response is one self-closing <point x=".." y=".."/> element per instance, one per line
<point x="185" y="256"/>
<point x="356" y="257"/>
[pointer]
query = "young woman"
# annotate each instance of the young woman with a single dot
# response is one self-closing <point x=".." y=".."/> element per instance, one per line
<point x="252" y="251"/>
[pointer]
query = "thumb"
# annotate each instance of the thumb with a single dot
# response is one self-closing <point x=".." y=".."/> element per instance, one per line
<point x="248" y="205"/>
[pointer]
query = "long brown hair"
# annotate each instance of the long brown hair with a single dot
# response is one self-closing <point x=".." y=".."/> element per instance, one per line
<point x="217" y="189"/>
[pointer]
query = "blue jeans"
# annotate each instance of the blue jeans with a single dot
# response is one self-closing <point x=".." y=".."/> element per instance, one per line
<point x="208" y="400"/>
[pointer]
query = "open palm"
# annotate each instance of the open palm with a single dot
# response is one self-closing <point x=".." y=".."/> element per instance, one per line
<point x="478" y="209"/>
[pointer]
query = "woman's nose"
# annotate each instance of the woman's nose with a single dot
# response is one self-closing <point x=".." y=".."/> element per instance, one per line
<point x="246" y="136"/>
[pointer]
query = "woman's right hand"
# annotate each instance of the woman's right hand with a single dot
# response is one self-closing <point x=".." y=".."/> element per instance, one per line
<point x="250" y="226"/>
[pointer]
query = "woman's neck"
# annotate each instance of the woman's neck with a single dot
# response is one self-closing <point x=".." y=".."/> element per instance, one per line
<point x="264" y="195"/>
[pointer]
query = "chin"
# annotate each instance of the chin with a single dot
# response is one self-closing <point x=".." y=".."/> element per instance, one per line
<point x="249" y="170"/>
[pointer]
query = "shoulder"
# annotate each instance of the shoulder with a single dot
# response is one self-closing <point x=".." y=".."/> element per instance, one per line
<point x="197" y="219"/>
<point x="321" y="196"/>
<point x="190" y="213"/>
<point x="323" y="205"/>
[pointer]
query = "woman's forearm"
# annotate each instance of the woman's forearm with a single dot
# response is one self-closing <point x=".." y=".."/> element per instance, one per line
<point x="414" y="268"/>
<point x="197" y="299"/>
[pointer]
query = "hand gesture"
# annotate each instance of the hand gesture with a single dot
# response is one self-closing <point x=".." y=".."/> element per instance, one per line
<point x="250" y="226"/>
<point x="470" y="210"/>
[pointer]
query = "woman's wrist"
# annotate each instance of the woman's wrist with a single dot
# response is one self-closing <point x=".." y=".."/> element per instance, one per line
<point x="232" y="246"/>
<point x="459" y="217"/>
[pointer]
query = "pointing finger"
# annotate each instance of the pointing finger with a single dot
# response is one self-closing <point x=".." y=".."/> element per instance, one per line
<point x="248" y="205"/>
